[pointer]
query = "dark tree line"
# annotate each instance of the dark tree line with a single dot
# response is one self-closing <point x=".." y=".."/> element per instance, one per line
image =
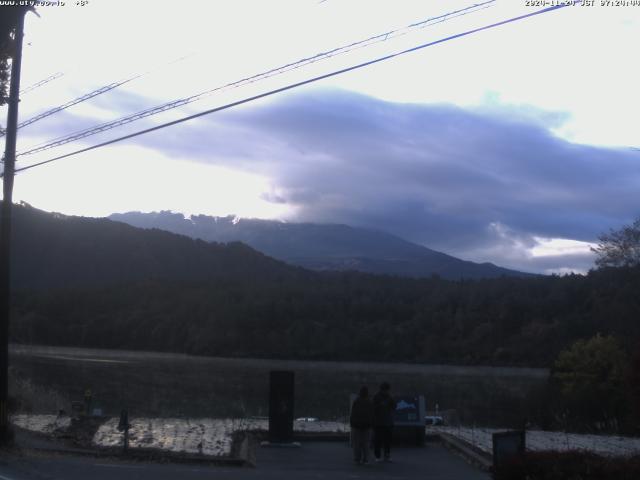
<point x="97" y="283"/>
<point x="508" y="321"/>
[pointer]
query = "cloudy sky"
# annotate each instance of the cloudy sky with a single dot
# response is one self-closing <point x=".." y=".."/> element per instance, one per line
<point x="513" y="145"/>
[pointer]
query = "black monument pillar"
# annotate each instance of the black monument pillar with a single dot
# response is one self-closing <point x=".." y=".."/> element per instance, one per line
<point x="281" y="391"/>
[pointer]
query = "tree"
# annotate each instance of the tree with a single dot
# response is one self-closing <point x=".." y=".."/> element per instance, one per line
<point x="619" y="248"/>
<point x="8" y="20"/>
<point x="634" y="382"/>
<point x="591" y="378"/>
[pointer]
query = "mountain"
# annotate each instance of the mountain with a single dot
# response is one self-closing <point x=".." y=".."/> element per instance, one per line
<point x="51" y="250"/>
<point x="321" y="246"/>
<point x="98" y="283"/>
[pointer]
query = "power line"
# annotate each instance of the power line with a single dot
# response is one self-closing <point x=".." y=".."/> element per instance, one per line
<point x="75" y="101"/>
<point x="254" y="78"/>
<point x="87" y="96"/>
<point x="295" y="85"/>
<point x="248" y="80"/>
<point x="50" y="78"/>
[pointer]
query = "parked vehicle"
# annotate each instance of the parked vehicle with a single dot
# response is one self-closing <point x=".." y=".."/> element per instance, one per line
<point x="433" y="420"/>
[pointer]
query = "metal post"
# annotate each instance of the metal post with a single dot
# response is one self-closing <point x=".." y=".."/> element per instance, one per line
<point x="124" y="426"/>
<point x="5" y="227"/>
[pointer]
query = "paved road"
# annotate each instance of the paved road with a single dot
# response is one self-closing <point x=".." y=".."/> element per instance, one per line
<point x="314" y="460"/>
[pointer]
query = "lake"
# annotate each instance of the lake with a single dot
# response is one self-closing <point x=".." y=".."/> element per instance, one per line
<point x="165" y="384"/>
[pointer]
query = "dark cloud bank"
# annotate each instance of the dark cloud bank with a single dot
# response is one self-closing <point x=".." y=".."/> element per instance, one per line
<point x="476" y="184"/>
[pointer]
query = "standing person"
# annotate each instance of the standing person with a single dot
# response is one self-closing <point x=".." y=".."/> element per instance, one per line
<point x="361" y="420"/>
<point x="383" y="407"/>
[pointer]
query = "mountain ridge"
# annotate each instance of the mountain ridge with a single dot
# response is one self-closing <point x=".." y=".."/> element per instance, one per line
<point x="51" y="250"/>
<point x="321" y="246"/>
<point x="98" y="283"/>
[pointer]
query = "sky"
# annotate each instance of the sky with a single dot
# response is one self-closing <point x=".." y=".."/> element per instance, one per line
<point x="516" y="145"/>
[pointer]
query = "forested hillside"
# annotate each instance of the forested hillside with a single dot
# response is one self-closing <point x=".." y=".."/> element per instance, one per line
<point x="343" y="316"/>
<point x="57" y="251"/>
<point x="97" y="283"/>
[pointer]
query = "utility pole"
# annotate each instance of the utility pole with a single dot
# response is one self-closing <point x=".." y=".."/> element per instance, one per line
<point x="5" y="226"/>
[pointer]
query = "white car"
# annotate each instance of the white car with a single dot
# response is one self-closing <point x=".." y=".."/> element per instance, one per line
<point x="433" y="420"/>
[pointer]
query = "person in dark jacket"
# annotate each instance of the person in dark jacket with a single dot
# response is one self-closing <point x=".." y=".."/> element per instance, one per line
<point x="361" y="421"/>
<point x="383" y="407"/>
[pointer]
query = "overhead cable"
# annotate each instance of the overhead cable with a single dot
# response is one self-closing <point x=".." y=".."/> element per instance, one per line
<point x="252" y="79"/>
<point x="87" y="96"/>
<point x="50" y="78"/>
<point x="295" y="85"/>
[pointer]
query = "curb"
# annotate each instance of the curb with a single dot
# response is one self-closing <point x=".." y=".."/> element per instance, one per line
<point x="476" y="457"/>
<point x="246" y="450"/>
<point x="158" y="456"/>
<point x="320" y="437"/>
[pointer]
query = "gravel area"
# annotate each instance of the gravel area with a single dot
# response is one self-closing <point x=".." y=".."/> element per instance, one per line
<point x="537" y="440"/>
<point x="41" y="423"/>
<point x="206" y="436"/>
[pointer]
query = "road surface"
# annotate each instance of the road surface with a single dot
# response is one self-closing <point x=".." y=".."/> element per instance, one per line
<point x="313" y="460"/>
